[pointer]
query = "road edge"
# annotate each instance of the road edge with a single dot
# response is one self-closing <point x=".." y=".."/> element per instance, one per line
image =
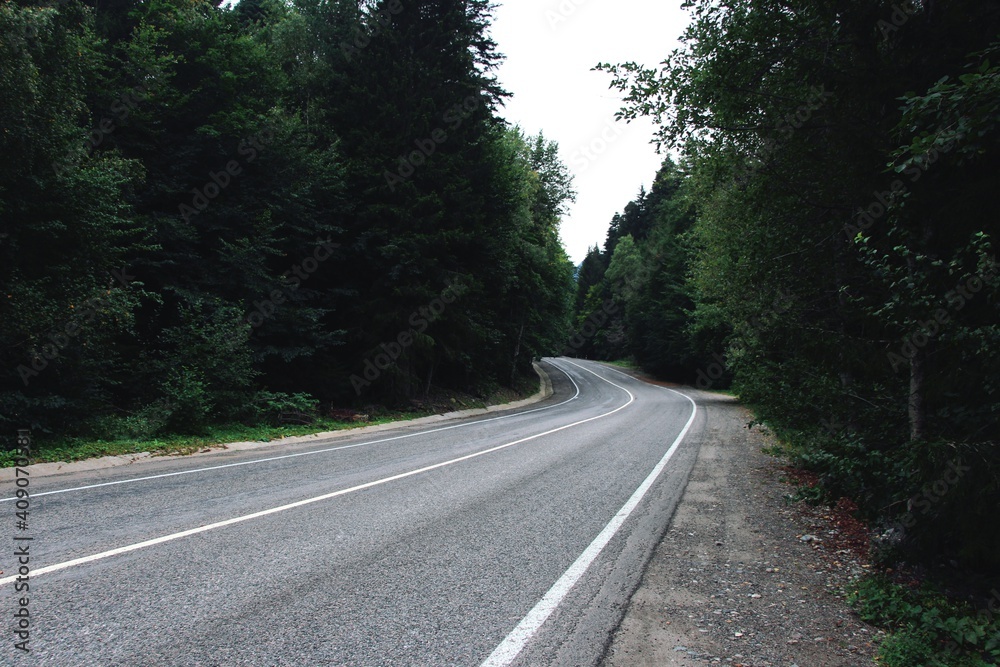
<point x="106" y="462"/>
<point x="672" y="618"/>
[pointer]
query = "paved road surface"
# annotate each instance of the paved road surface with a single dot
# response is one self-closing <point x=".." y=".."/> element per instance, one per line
<point x="502" y="540"/>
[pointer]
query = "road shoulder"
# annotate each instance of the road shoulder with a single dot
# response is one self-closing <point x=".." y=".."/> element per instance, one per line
<point x="103" y="462"/>
<point x="733" y="582"/>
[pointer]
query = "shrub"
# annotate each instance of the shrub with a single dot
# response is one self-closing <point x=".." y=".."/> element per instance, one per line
<point x="276" y="407"/>
<point x="925" y="628"/>
<point x="187" y="403"/>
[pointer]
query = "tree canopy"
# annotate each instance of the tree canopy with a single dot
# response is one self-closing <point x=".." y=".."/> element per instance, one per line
<point x="827" y="243"/>
<point x="205" y="208"/>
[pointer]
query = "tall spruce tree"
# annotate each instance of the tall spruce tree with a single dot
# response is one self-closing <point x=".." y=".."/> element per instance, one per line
<point x="414" y="101"/>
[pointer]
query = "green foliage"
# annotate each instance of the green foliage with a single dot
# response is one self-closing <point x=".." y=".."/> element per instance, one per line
<point x="63" y="448"/>
<point x="65" y="226"/>
<point x="840" y="261"/>
<point x="925" y="628"/>
<point x="644" y="272"/>
<point x="813" y="495"/>
<point x="196" y="225"/>
<point x="188" y="401"/>
<point x="273" y="407"/>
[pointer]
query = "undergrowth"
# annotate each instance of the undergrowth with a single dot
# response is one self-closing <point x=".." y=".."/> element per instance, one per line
<point x="927" y="629"/>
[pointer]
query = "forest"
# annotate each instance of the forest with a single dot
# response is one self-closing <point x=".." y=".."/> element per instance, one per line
<point x="821" y="240"/>
<point x="218" y="213"/>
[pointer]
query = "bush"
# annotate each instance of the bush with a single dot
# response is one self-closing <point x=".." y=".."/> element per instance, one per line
<point x="925" y="628"/>
<point x="187" y="404"/>
<point x="139" y="426"/>
<point x="279" y="407"/>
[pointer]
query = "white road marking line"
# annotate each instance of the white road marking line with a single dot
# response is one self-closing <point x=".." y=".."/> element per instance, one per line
<point x="508" y="650"/>
<point x="301" y="503"/>
<point x="292" y="456"/>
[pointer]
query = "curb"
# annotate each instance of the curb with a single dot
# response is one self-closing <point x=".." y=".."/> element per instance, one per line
<point x="105" y="462"/>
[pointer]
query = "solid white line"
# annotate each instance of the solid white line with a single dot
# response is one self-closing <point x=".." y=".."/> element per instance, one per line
<point x="308" y="501"/>
<point x="508" y="650"/>
<point x="309" y="453"/>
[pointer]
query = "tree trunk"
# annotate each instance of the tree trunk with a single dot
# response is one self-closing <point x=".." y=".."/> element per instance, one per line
<point x="430" y="378"/>
<point x="517" y="353"/>
<point x="918" y="365"/>
<point x="917" y="390"/>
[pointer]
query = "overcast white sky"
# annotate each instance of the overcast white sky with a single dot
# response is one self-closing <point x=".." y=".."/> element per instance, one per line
<point x="551" y="46"/>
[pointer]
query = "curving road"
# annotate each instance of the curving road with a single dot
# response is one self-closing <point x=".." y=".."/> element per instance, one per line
<point x="504" y="540"/>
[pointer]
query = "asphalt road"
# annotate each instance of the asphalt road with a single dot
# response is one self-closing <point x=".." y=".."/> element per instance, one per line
<point x="504" y="540"/>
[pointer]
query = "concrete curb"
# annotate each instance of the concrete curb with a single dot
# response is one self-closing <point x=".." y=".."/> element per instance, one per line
<point x="103" y="462"/>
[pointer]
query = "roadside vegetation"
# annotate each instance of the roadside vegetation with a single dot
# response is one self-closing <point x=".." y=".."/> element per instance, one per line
<point x="277" y="416"/>
<point x="927" y="627"/>
<point x="822" y="239"/>
<point x="261" y="219"/>
<point x="116" y="443"/>
<point x="212" y="215"/>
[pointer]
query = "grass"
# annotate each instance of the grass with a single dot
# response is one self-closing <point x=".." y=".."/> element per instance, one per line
<point x="624" y="363"/>
<point x="78" y="449"/>
<point x="51" y="449"/>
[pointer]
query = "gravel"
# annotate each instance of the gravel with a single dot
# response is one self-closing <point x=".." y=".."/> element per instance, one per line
<point x="742" y="577"/>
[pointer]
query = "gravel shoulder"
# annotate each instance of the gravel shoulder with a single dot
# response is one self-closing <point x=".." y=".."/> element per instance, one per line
<point x="742" y="577"/>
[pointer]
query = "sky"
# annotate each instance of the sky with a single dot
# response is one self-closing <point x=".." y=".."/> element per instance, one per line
<point x="551" y="47"/>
